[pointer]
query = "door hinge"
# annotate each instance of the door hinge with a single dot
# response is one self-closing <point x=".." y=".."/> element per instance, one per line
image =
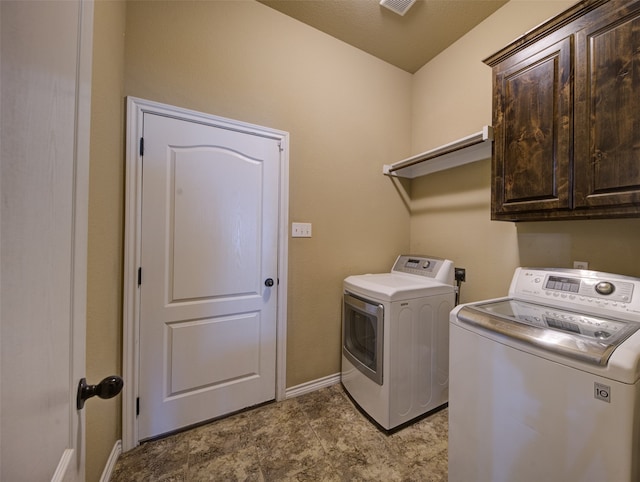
<point x="137" y="406"/>
<point x="142" y="146"/>
<point x="139" y="276"/>
<point x="280" y="146"/>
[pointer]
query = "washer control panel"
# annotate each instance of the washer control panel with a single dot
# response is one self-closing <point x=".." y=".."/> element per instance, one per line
<point x="589" y="289"/>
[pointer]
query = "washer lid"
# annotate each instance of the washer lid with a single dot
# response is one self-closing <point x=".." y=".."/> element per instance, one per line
<point x="395" y="286"/>
<point x="586" y="337"/>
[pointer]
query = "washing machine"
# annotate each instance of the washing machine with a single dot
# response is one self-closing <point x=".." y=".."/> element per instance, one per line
<point x="545" y="381"/>
<point x="395" y="339"/>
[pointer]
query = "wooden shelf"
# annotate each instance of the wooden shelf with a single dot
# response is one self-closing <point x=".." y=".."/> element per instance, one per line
<point x="475" y="147"/>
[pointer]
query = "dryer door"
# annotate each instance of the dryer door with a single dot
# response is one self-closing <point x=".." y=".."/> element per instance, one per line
<point x="362" y="335"/>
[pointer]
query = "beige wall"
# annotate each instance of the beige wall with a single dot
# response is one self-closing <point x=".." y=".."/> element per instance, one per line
<point x="450" y="210"/>
<point x="106" y="205"/>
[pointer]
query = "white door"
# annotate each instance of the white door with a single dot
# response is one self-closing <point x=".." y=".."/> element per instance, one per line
<point x="209" y="272"/>
<point x="45" y="82"/>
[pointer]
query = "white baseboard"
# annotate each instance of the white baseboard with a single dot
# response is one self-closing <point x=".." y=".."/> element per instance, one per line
<point x="63" y="465"/>
<point x="111" y="462"/>
<point x="312" y="386"/>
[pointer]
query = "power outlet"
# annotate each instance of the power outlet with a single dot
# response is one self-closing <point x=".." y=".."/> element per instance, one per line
<point x="581" y="265"/>
<point x="300" y="230"/>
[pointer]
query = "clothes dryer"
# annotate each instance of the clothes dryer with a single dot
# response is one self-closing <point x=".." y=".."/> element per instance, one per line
<point x="395" y="339"/>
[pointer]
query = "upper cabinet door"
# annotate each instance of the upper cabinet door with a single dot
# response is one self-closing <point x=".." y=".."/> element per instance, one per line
<point x="532" y="120"/>
<point x="607" y="141"/>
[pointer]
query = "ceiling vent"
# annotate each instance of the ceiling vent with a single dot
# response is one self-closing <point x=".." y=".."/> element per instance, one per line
<point x="399" y="6"/>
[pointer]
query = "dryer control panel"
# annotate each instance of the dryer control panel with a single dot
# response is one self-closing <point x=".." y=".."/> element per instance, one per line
<point x="427" y="266"/>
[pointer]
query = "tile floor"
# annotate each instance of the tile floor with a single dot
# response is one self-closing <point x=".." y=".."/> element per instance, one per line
<point x="319" y="436"/>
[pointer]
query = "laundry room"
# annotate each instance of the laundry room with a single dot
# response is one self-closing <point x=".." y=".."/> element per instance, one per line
<point x="347" y="114"/>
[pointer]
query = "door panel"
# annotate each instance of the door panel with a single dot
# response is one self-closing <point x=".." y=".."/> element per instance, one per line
<point x="209" y="240"/>
<point x="223" y="347"/>
<point x="46" y="62"/>
<point x="228" y="237"/>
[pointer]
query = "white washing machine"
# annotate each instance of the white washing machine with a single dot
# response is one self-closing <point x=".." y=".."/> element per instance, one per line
<point x="395" y="339"/>
<point x="545" y="382"/>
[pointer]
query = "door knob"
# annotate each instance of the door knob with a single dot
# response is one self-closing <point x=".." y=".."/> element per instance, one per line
<point x="107" y="388"/>
<point x="268" y="282"/>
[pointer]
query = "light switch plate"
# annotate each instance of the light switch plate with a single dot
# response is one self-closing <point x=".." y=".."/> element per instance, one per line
<point x="300" y="230"/>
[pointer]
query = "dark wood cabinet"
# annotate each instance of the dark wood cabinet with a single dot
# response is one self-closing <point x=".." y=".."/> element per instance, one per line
<point x="607" y="112"/>
<point x="532" y="142"/>
<point x="566" y="117"/>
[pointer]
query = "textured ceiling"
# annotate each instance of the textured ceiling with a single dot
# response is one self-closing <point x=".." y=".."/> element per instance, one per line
<point x="408" y="41"/>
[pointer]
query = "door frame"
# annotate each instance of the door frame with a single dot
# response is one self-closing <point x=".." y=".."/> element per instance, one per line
<point x="136" y="108"/>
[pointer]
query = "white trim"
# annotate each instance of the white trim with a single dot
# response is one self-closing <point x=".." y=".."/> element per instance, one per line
<point x="77" y="429"/>
<point x="283" y="270"/>
<point x="313" y="385"/>
<point x="111" y="461"/>
<point x="130" y="332"/>
<point x="63" y="465"/>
